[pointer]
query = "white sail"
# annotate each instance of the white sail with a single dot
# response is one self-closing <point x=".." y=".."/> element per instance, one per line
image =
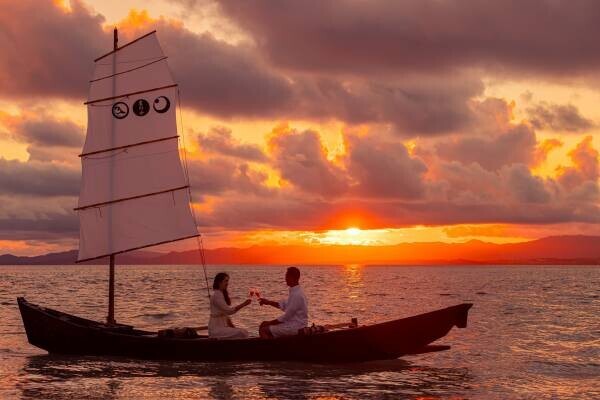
<point x="134" y="192"/>
<point x="135" y="224"/>
<point x="131" y="129"/>
<point x="136" y="170"/>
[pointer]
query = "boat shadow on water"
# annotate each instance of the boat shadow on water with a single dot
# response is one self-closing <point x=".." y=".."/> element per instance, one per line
<point x="66" y="377"/>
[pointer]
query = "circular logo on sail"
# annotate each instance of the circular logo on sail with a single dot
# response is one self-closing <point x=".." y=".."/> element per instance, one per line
<point x="161" y="104"/>
<point x="141" y="107"/>
<point x="120" y="110"/>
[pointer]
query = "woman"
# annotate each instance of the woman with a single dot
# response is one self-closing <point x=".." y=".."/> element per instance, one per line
<point x="219" y="324"/>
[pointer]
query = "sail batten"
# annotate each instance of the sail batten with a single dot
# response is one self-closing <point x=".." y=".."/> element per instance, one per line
<point x="134" y="190"/>
<point x="128" y="70"/>
<point x="130" y="94"/>
<point x="121" y="84"/>
<point x="124" y="46"/>
<point x="130" y="198"/>
<point x="129" y="145"/>
<point x="139" y="248"/>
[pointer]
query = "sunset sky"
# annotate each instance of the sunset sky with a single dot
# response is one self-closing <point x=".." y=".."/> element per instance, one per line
<point x="323" y="122"/>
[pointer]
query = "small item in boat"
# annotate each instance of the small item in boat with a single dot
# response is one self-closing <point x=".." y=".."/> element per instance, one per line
<point x="181" y="333"/>
<point x="312" y="330"/>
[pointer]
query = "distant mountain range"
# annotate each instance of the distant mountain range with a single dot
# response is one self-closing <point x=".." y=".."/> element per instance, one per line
<point x="550" y="250"/>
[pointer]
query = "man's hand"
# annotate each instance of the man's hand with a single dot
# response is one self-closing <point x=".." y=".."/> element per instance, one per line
<point x="262" y="301"/>
<point x="264" y="331"/>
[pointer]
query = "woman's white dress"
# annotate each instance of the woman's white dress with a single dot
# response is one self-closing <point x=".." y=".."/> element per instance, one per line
<point x="220" y="311"/>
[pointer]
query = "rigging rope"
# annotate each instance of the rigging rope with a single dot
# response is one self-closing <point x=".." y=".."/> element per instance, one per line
<point x="187" y="177"/>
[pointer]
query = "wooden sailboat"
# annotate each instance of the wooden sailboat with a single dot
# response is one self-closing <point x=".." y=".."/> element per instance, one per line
<point x="135" y="194"/>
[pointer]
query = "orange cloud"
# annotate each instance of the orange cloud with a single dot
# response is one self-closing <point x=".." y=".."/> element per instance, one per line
<point x="140" y="20"/>
<point x="585" y="165"/>
<point x="542" y="150"/>
<point x="457" y="231"/>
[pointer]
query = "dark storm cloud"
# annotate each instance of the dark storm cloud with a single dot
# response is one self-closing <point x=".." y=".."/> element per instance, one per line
<point x="557" y="117"/>
<point x="416" y="105"/>
<point x="45" y="131"/>
<point x="301" y="159"/>
<point x="353" y="36"/>
<point x="219" y="140"/>
<point x="232" y="80"/>
<point x="39" y="227"/>
<point x="383" y="169"/>
<point x="283" y="212"/>
<point x="525" y="187"/>
<point x="49" y="132"/>
<point x="256" y="213"/>
<point x="222" y="79"/>
<point x="47" y="51"/>
<point x="51" y="55"/>
<point x="38" y="178"/>
<point x="517" y="145"/>
<point x="216" y="176"/>
<point x="25" y="217"/>
<point x="47" y="138"/>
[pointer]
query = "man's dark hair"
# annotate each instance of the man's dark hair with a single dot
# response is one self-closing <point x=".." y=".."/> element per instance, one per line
<point x="294" y="273"/>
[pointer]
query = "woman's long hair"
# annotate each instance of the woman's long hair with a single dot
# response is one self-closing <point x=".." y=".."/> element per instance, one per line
<point x="218" y="279"/>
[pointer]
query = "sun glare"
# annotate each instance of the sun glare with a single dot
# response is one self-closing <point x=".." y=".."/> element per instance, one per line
<point x="352" y="231"/>
<point x="349" y="236"/>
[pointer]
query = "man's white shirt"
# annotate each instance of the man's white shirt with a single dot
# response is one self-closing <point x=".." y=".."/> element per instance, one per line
<point x="295" y="308"/>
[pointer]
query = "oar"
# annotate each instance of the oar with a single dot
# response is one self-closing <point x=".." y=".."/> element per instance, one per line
<point x="352" y="324"/>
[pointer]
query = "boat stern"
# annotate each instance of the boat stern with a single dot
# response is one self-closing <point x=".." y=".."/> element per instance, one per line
<point x="24" y="309"/>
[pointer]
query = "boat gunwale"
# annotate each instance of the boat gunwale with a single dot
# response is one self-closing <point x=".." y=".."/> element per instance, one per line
<point x="105" y="329"/>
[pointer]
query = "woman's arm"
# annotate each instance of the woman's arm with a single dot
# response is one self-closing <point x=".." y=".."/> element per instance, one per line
<point x="242" y="305"/>
<point x="219" y="302"/>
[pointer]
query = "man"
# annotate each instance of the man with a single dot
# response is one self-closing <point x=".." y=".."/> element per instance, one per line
<point x="295" y="309"/>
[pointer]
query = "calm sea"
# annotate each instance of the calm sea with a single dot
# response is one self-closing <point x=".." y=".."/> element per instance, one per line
<point x="534" y="332"/>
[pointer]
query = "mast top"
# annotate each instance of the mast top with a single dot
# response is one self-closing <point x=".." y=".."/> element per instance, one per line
<point x="116" y="39"/>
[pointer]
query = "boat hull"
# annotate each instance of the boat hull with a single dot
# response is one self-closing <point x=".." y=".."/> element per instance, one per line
<point x="61" y="333"/>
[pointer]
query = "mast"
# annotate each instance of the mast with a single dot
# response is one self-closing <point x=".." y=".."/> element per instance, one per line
<point x="110" y="318"/>
<point x="134" y="190"/>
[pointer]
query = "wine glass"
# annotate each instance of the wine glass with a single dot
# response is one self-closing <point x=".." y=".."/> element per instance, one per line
<point x="254" y="292"/>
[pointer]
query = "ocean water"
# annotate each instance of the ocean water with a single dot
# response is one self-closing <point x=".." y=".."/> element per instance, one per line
<point x="533" y="333"/>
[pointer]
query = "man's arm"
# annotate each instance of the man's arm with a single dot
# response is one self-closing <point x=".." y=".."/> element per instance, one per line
<point x="262" y="301"/>
<point x="290" y="308"/>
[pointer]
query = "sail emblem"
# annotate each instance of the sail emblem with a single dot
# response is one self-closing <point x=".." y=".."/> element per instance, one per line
<point x="158" y="107"/>
<point x="120" y="110"/>
<point x="141" y="107"/>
